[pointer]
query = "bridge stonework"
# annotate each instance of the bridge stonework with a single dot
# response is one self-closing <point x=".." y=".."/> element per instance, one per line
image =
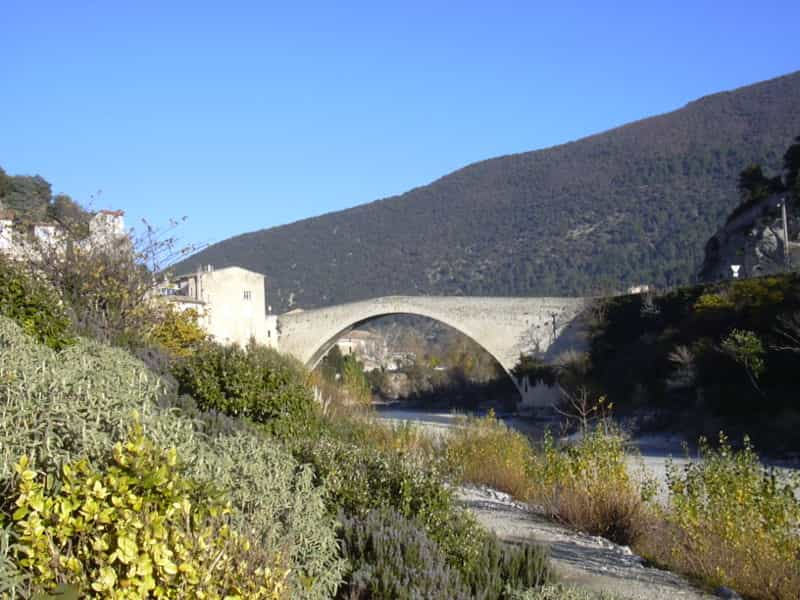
<point x="504" y="327"/>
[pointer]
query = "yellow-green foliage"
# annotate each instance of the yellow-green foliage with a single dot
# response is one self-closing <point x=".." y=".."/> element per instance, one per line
<point x="57" y="408"/>
<point x="587" y="484"/>
<point x="736" y="523"/>
<point x="713" y="302"/>
<point x="743" y="294"/>
<point x="486" y="451"/>
<point x="136" y="529"/>
<point x="178" y="331"/>
<point x="33" y="305"/>
<point x="759" y="292"/>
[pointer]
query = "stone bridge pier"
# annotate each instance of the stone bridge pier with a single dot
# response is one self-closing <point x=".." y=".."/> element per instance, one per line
<point x="504" y="327"/>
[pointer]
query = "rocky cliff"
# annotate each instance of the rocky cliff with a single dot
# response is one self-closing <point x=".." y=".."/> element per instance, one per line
<point x="754" y="240"/>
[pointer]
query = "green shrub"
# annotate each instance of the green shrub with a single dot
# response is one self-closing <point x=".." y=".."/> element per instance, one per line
<point x="258" y="383"/>
<point x="394" y="557"/>
<point x="58" y="408"/>
<point x="279" y="506"/>
<point x="713" y="302"/>
<point x="138" y="528"/>
<point x="33" y="306"/>
<point x="734" y="523"/>
<point x="587" y="484"/>
<point x="363" y="478"/>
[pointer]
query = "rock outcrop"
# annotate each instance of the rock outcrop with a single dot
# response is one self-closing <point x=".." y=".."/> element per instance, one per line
<point x="754" y="239"/>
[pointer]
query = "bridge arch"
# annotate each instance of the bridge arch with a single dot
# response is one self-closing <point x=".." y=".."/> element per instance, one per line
<point x="320" y="353"/>
<point x="504" y="327"/>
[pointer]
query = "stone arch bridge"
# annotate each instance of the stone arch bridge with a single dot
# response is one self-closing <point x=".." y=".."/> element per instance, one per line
<point x="504" y="327"/>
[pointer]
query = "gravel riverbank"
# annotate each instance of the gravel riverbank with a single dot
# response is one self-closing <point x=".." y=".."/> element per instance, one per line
<point x="589" y="562"/>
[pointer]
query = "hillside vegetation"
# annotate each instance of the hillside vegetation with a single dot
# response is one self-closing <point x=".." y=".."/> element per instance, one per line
<point x="211" y="473"/>
<point x="632" y="205"/>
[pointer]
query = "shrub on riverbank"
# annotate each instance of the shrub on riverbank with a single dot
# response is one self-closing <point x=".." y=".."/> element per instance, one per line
<point x="392" y="557"/>
<point x="485" y="451"/>
<point x="731" y="521"/>
<point x="584" y="484"/>
<point x="587" y="484"/>
<point x="364" y="476"/>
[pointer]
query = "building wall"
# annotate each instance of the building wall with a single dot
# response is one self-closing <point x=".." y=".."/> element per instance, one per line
<point x="235" y="305"/>
<point x="272" y="331"/>
<point x="6" y="235"/>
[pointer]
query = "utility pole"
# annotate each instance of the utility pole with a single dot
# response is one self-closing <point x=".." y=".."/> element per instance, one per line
<point x="786" y="262"/>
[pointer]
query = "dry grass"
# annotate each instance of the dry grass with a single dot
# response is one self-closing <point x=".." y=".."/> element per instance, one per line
<point x="485" y="451"/>
<point x="585" y="485"/>
<point x="599" y="508"/>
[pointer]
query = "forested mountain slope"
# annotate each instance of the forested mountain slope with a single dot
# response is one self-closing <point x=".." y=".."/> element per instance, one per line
<point x="632" y="205"/>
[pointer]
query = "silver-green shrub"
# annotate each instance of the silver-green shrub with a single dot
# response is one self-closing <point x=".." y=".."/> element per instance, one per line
<point x="57" y="407"/>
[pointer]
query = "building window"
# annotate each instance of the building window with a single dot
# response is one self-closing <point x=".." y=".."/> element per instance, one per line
<point x="247" y="295"/>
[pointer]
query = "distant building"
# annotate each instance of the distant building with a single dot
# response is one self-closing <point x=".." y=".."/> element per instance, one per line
<point x="26" y="240"/>
<point x="231" y="303"/>
<point x="399" y="360"/>
<point x="6" y="230"/>
<point x="369" y="348"/>
<point x="639" y="289"/>
<point x="106" y="226"/>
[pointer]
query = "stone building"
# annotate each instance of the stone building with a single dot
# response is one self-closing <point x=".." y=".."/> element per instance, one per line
<point x="26" y="240"/>
<point x="368" y="347"/>
<point x="231" y="303"/>
<point x="6" y="230"/>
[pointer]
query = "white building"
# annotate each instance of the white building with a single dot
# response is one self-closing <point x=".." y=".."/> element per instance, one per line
<point x="231" y="302"/>
<point x="105" y="227"/>
<point x="6" y="230"/>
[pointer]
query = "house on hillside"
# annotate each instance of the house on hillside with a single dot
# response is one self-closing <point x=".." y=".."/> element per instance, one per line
<point x="231" y="303"/>
<point x="368" y="347"/>
<point x="21" y="239"/>
<point x="107" y="226"/>
<point x="6" y="230"/>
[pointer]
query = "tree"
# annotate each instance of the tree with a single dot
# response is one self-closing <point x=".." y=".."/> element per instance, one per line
<point x="179" y="331"/>
<point x="106" y="281"/>
<point x="746" y="349"/>
<point x="791" y="167"/>
<point x="754" y="185"/>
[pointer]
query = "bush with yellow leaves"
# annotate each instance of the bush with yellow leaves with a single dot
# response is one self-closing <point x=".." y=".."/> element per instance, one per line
<point x="178" y="331"/>
<point x="137" y="529"/>
<point x="587" y="484"/>
<point x="734" y="522"/>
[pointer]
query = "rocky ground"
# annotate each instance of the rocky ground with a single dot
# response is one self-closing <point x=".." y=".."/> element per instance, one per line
<point x="589" y="562"/>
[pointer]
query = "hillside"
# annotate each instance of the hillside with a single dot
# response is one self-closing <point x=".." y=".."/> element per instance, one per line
<point x="632" y="205"/>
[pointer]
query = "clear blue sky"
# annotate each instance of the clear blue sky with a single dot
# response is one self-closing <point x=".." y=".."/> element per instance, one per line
<point x="245" y="115"/>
